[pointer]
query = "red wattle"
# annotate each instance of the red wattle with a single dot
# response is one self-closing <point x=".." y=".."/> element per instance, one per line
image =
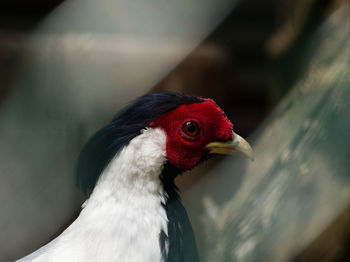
<point x="214" y="126"/>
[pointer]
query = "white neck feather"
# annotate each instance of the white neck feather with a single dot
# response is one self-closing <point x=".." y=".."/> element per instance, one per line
<point x="134" y="170"/>
<point x="122" y="219"/>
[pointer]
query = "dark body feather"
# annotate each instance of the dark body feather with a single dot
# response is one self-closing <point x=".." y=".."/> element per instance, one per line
<point x="106" y="143"/>
<point x="180" y="240"/>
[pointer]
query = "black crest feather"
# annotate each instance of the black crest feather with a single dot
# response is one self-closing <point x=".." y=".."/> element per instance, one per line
<point x="126" y="125"/>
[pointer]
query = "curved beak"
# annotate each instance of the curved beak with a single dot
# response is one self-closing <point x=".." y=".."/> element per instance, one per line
<point x="238" y="144"/>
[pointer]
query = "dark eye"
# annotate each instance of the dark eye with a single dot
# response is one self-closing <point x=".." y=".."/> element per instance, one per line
<point x="191" y="129"/>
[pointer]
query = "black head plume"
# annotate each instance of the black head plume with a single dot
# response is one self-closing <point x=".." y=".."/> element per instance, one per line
<point x="126" y="125"/>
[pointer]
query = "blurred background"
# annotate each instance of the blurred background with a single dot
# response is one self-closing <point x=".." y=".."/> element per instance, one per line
<point x="278" y="68"/>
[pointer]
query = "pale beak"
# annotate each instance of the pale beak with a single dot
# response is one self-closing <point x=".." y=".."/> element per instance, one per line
<point x="238" y="144"/>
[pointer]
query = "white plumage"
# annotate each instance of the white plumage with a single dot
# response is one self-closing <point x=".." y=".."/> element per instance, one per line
<point x="122" y="219"/>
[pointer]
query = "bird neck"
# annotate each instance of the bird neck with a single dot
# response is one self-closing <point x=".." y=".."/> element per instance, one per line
<point x="124" y="216"/>
<point x="134" y="171"/>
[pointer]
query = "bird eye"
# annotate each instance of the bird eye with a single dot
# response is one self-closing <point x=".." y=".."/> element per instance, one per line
<point x="190" y="129"/>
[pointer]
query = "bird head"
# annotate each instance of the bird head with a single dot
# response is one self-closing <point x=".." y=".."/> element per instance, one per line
<point x="194" y="128"/>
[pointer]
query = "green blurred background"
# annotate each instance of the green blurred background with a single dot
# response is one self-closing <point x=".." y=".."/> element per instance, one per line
<point x="278" y="68"/>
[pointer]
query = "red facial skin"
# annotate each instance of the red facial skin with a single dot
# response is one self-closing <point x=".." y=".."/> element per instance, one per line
<point x="183" y="151"/>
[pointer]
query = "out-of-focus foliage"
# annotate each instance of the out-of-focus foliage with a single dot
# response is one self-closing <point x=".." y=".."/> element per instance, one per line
<point x="89" y="58"/>
<point x="271" y="209"/>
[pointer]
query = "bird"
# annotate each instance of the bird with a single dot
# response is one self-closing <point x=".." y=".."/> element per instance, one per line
<point x="133" y="211"/>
